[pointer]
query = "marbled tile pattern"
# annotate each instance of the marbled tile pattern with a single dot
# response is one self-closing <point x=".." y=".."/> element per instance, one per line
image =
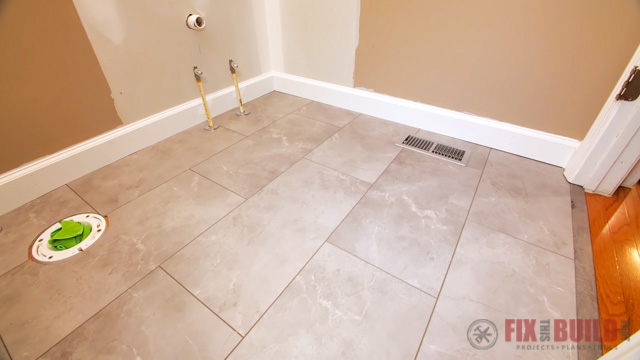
<point x="527" y="200"/>
<point x="155" y="319"/>
<point x="408" y="224"/>
<point x="363" y="148"/>
<point x="22" y="225"/>
<point x="494" y="276"/>
<point x="264" y="111"/>
<point x="124" y="180"/>
<point x="327" y="113"/>
<point x="340" y="307"/>
<point x="52" y="300"/>
<point x="240" y="265"/>
<point x="249" y="165"/>
<point x="344" y="248"/>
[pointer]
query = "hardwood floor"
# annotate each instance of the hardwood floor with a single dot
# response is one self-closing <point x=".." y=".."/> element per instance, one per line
<point x="615" y="236"/>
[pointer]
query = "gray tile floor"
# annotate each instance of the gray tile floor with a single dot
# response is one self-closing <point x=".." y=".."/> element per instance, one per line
<point x="299" y="232"/>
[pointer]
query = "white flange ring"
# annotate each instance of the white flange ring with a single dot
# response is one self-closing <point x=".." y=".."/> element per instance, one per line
<point x="42" y="252"/>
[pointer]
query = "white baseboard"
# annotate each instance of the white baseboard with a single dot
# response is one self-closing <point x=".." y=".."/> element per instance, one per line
<point x="533" y="144"/>
<point x="43" y="175"/>
<point x="36" y="178"/>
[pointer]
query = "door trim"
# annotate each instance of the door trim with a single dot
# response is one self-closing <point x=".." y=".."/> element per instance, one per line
<point x="604" y="143"/>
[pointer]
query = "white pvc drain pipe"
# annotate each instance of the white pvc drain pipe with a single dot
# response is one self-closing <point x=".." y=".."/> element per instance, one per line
<point x="42" y="252"/>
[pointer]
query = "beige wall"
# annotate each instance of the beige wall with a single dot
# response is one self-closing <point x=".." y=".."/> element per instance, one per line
<point x="318" y="39"/>
<point x="147" y="52"/>
<point x="52" y="91"/>
<point x="547" y="65"/>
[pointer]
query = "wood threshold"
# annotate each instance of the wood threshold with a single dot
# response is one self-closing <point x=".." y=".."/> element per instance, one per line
<point x="615" y="236"/>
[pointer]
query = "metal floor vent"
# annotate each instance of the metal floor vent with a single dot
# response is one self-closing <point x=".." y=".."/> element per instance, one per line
<point x="445" y="152"/>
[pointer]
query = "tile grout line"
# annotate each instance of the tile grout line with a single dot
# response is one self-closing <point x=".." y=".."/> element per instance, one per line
<point x="95" y="314"/>
<point x="324" y="122"/>
<point x="289" y="167"/>
<point x="254" y="194"/>
<point x="197" y="236"/>
<point x="277" y="119"/>
<point x="524" y="241"/>
<point x="35" y="238"/>
<point x="45" y="194"/>
<point x="194" y="171"/>
<point x="274" y="179"/>
<point x="81" y="198"/>
<point x="147" y="274"/>
<point x="372" y="184"/>
<point x="225" y="148"/>
<point x="267" y="184"/>
<point x="455" y="249"/>
<point x="295" y="162"/>
<point x="274" y="301"/>
<point x="249" y="135"/>
<point x="144" y="193"/>
<point x="319" y="247"/>
<point x="190" y="168"/>
<point x="204" y="231"/>
<point x="303" y="266"/>
<point x="219" y="152"/>
<point x="157" y="186"/>
<point x="517" y="238"/>
<point x="281" y="174"/>
<point x="342" y="172"/>
<point x="200" y="301"/>
<point x="384" y="271"/>
<point x="305" y="157"/>
<point x="22" y="262"/>
<point x="139" y="196"/>
<point x="222" y="186"/>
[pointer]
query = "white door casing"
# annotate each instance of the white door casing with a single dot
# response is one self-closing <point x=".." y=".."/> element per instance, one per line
<point x="634" y="176"/>
<point x="611" y="148"/>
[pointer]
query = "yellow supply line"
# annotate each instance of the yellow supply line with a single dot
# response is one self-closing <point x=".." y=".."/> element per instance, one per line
<point x="232" y="67"/>
<point x="198" y="74"/>
<point x="235" y="82"/>
<point x="206" y="107"/>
